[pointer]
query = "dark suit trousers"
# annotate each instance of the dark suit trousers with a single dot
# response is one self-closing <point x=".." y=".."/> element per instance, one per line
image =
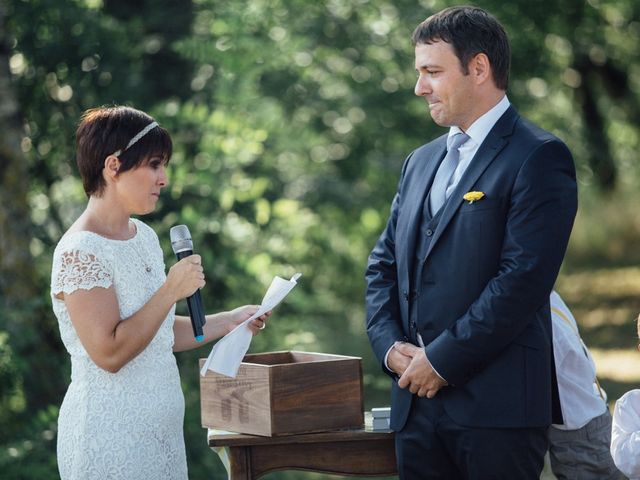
<point x="433" y="446"/>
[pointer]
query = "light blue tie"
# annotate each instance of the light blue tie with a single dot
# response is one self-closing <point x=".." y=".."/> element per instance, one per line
<point x="443" y="177"/>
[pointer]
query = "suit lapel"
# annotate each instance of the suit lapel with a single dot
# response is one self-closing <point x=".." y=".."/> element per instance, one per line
<point x="488" y="151"/>
<point x="423" y="175"/>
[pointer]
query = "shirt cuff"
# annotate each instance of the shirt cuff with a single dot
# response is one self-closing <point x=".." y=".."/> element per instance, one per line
<point x="386" y="357"/>
<point x="434" y="369"/>
<point x="421" y="343"/>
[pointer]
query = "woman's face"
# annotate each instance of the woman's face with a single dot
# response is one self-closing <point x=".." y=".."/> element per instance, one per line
<point x="139" y="188"/>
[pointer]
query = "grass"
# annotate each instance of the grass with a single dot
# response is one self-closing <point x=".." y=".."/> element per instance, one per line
<point x="606" y="303"/>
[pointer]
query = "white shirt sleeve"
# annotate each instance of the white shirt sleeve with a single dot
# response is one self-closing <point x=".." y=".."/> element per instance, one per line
<point x="625" y="434"/>
<point x="386" y="359"/>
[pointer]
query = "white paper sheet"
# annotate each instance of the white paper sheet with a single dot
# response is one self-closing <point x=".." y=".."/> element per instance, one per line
<point x="226" y="355"/>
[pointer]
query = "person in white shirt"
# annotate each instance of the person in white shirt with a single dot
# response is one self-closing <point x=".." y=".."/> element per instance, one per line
<point x="578" y="448"/>
<point x="625" y="434"/>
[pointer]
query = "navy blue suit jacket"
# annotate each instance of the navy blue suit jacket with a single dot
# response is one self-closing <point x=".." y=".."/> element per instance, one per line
<point x="482" y="291"/>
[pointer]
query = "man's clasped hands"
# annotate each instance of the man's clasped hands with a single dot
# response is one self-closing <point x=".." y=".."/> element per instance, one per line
<point x="413" y="367"/>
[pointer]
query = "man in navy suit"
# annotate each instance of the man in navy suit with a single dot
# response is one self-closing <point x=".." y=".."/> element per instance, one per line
<point x="458" y="283"/>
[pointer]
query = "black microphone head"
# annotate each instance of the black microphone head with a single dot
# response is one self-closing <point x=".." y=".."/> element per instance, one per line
<point x="180" y="239"/>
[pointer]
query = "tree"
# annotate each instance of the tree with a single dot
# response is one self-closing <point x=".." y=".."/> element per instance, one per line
<point x="291" y="120"/>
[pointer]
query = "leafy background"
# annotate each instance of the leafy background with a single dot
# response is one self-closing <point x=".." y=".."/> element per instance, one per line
<point x="291" y="120"/>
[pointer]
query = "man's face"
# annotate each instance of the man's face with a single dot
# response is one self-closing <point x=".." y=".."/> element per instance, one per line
<point x="448" y="91"/>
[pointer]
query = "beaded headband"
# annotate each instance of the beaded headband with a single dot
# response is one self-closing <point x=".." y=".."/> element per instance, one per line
<point x="135" y="139"/>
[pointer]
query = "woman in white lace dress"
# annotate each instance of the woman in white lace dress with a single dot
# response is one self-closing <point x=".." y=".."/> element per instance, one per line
<point x="122" y="415"/>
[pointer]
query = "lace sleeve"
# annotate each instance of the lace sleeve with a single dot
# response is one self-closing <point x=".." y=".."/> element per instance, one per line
<point x="77" y="269"/>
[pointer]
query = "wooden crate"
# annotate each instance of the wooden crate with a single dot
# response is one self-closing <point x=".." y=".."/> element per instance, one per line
<point x="280" y="393"/>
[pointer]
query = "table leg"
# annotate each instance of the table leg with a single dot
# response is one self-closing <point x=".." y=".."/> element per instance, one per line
<point x="240" y="461"/>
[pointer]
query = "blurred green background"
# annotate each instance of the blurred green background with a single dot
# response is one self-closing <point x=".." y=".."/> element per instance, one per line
<point x="291" y="120"/>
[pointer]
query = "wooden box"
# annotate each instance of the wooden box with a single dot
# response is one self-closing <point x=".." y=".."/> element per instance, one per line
<point x="282" y="393"/>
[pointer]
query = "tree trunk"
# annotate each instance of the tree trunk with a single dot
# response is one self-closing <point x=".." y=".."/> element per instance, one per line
<point x="35" y="351"/>
<point x="17" y="275"/>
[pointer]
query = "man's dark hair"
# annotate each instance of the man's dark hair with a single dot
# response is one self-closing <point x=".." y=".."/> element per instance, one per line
<point x="470" y="31"/>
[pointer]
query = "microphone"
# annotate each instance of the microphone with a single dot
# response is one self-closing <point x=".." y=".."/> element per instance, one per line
<point x="183" y="247"/>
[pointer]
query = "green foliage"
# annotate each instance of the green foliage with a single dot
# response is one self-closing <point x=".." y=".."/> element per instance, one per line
<point x="32" y="453"/>
<point x="291" y="120"/>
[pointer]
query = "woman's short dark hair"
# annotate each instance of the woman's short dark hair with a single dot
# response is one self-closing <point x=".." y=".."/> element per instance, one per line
<point x="470" y="30"/>
<point x="105" y="130"/>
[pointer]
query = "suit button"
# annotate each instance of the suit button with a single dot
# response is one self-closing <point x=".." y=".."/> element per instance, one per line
<point x="429" y="232"/>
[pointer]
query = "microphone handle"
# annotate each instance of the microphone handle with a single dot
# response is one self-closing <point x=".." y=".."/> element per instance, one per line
<point x="194" y="303"/>
<point x="196" y="312"/>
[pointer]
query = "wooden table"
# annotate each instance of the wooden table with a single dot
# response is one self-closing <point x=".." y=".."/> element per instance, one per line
<point x="361" y="452"/>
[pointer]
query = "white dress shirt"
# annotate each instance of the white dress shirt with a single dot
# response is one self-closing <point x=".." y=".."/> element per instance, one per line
<point x="477" y="132"/>
<point x="579" y="394"/>
<point x="625" y="434"/>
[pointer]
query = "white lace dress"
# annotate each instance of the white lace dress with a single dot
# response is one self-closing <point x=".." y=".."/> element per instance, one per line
<point x="124" y="425"/>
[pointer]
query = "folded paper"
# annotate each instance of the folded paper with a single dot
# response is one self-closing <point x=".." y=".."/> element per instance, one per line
<point x="226" y="355"/>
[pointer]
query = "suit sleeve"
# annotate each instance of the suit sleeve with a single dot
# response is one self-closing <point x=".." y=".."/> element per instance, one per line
<point x="539" y="220"/>
<point x="382" y="298"/>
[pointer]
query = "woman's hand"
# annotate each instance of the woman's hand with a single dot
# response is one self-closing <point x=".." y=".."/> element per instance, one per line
<point x="240" y="314"/>
<point x="185" y="277"/>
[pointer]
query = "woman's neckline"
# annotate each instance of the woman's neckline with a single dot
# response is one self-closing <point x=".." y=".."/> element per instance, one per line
<point x="91" y="232"/>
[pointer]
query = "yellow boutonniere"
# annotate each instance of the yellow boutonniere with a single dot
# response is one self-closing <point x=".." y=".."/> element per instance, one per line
<point x="473" y="196"/>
